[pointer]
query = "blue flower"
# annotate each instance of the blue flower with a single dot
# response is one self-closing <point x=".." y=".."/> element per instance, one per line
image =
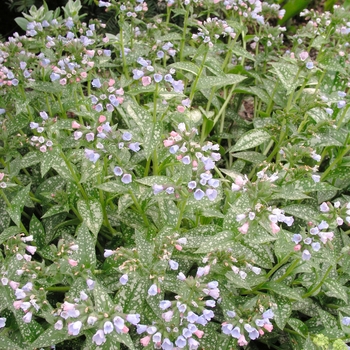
<point x="346" y="321"/>
<point x="198" y="194"/>
<point x="158" y="78"/>
<point x="152" y="290"/>
<point x="118" y="171"/>
<point x="135" y="146"/>
<point x="96" y="83"/>
<point x="126" y="136"/>
<point x="126" y="179"/>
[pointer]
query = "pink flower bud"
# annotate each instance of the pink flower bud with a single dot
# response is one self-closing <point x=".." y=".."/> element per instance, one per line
<point x="178" y="247"/>
<point x="111" y="82"/>
<point x="72" y="262"/>
<point x="168" y="143"/>
<point x="199" y="333"/>
<point x="75" y="125"/>
<point x="268" y="327"/>
<point x="180" y="109"/>
<point x="145" y="341"/>
<point x="297" y="247"/>
<point x="275" y="228"/>
<point x="102" y="119"/>
<point x="244" y="228"/>
<point x="261" y="332"/>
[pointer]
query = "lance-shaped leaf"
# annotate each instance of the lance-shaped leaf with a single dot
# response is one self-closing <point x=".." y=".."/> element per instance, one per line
<point x="251" y="139"/>
<point x="85" y="254"/>
<point x="91" y="212"/>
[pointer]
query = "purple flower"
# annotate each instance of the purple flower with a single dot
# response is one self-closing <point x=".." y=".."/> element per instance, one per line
<point x="126" y="136"/>
<point x="268" y="314"/>
<point x="99" y="337"/>
<point x="316" y="246"/>
<point x="165" y="304"/>
<point x="118" y="171"/>
<point x="211" y="194"/>
<point x="341" y="104"/>
<point x="236" y="333"/>
<point x="180" y="342"/>
<point x="96" y="83"/>
<point x="126" y="179"/>
<point x="186" y="160"/>
<point x="297" y="238"/>
<point x="28" y="317"/>
<point x="306" y="255"/>
<point x="153" y="290"/>
<point x="124" y="279"/>
<point x="158" y="77"/>
<point x="157" y="188"/>
<point x="324" y="207"/>
<point x="135" y="146"/>
<point x="173" y="265"/>
<point x="173" y="149"/>
<point x="133" y="319"/>
<point x="346" y="321"/>
<point x="54" y="76"/>
<point x="74" y="328"/>
<point x="118" y="324"/>
<point x="309" y="65"/>
<point x="253" y="333"/>
<point x="108" y="327"/>
<point x="167" y="344"/>
<point x="198" y="194"/>
<point x="192" y="317"/>
<point x="91" y="155"/>
<point x="178" y="85"/>
<point x="160" y="54"/>
<point x="137" y="74"/>
<point x="192" y="185"/>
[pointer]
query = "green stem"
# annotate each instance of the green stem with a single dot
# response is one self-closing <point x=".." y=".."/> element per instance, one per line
<point x="137" y="204"/>
<point x="58" y="289"/>
<point x="194" y="85"/>
<point x="182" y="211"/>
<point x="184" y="32"/>
<point x="74" y="175"/>
<point x="319" y="285"/>
<point x="276" y="267"/>
<point x="289" y="270"/>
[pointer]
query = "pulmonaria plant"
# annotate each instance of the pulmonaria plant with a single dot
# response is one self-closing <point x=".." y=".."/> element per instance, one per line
<point x="181" y="183"/>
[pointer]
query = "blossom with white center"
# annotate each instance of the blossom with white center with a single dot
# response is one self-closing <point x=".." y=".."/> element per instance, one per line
<point x="27" y="317"/>
<point x="126" y="179"/>
<point x="118" y="324"/>
<point x="91" y="320"/>
<point x="90" y="283"/>
<point x="108" y="327"/>
<point x="324" y="207"/>
<point x="124" y="279"/>
<point x="173" y="265"/>
<point x="99" y="337"/>
<point x="153" y="290"/>
<point x="306" y="255"/>
<point x="165" y="304"/>
<point x="180" y="342"/>
<point x="198" y="194"/>
<point x="133" y="319"/>
<point x="58" y="325"/>
<point x="167" y="344"/>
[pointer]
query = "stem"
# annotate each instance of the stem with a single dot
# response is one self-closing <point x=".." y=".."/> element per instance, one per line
<point x="289" y="270"/>
<point x="182" y="211"/>
<point x="137" y="204"/>
<point x="319" y="284"/>
<point x="58" y="289"/>
<point x="184" y="30"/>
<point x="125" y="67"/>
<point x="194" y="85"/>
<point x="276" y="267"/>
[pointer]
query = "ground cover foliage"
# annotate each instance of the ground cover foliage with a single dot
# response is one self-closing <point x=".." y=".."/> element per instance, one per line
<point x="181" y="183"/>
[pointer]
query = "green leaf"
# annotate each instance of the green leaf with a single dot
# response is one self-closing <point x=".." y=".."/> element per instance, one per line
<point x="241" y="52"/>
<point x="91" y="212"/>
<point x="330" y="324"/>
<point x="144" y="246"/>
<point x="251" y="139"/>
<point x="56" y="209"/>
<point x="221" y="240"/>
<point x="113" y="187"/>
<point x="298" y="326"/>
<point x="8" y="344"/>
<point x="250" y="156"/>
<point x="50" y="337"/>
<point x="229" y="79"/>
<point x="186" y="66"/>
<point x="17" y="204"/>
<point x="286" y="73"/>
<point x="30" y="159"/>
<point x="86" y="252"/>
<point x="282" y="309"/>
<point x="37" y="230"/>
<point x="302" y="211"/>
<point x="282" y="289"/>
<point x="9" y="232"/>
<point x="152" y="134"/>
<point x="336" y="290"/>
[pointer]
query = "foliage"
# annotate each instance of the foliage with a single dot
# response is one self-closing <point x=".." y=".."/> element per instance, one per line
<point x="180" y="184"/>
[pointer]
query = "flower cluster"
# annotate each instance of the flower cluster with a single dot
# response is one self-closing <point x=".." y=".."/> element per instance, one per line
<point x="238" y="328"/>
